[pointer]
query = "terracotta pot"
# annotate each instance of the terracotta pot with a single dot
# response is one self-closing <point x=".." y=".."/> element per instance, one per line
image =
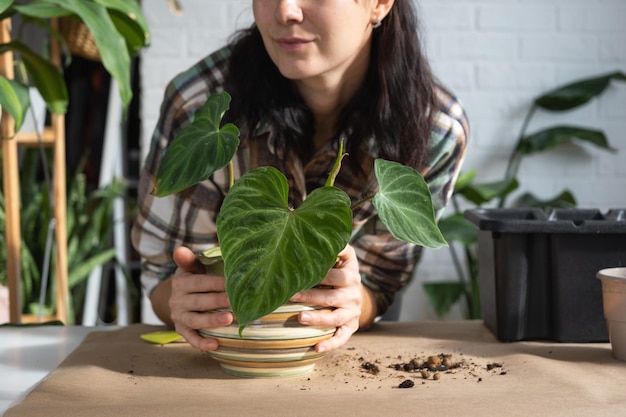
<point x="276" y="345"/>
<point x="614" y="305"/>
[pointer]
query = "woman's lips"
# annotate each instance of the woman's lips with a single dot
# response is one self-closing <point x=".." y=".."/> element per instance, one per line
<point x="292" y="44"/>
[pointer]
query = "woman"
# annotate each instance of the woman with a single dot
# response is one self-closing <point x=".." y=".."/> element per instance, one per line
<point x="305" y="74"/>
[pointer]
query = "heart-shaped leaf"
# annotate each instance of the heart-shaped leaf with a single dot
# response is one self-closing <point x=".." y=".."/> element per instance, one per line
<point x="272" y="251"/>
<point x="405" y="206"/>
<point x="199" y="149"/>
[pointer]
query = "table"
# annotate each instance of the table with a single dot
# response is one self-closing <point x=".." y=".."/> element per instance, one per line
<point x="28" y="354"/>
<point x="115" y="373"/>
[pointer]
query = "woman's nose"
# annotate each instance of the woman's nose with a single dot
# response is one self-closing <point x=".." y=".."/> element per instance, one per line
<point x="288" y="11"/>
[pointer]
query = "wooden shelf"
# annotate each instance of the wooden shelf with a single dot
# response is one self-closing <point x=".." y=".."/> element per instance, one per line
<point x="53" y="136"/>
<point x="48" y="137"/>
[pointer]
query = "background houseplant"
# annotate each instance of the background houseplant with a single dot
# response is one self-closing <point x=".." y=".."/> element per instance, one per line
<point x="90" y="226"/>
<point x="462" y="234"/>
<point x="271" y="250"/>
<point x="118" y="30"/>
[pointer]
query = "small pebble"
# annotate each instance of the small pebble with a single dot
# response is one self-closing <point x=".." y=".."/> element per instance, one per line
<point x="407" y="383"/>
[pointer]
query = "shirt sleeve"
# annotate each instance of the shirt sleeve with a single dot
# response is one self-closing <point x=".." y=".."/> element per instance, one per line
<point x="386" y="263"/>
<point x="188" y="217"/>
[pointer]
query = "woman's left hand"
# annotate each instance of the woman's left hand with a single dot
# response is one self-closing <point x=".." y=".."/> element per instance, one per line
<point x="344" y="294"/>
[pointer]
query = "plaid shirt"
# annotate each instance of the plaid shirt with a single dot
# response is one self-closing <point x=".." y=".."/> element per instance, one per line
<point x="188" y="218"/>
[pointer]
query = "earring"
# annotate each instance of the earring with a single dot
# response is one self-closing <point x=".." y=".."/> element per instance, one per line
<point x="377" y="24"/>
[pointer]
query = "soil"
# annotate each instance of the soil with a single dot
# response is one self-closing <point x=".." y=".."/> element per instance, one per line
<point x="363" y="370"/>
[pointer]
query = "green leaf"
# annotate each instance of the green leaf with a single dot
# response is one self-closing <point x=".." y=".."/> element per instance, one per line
<point x="80" y="272"/>
<point x="4" y="5"/>
<point x="15" y="100"/>
<point x="577" y="93"/>
<point x="272" y="251"/>
<point x="554" y="136"/>
<point x="404" y="205"/>
<point x="480" y="194"/>
<point x="129" y="22"/>
<point x="464" y="179"/>
<point x="564" y="200"/>
<point x="111" y="45"/>
<point x="455" y="228"/>
<point x="443" y="295"/>
<point x="199" y="149"/>
<point x="42" y="9"/>
<point x="44" y="74"/>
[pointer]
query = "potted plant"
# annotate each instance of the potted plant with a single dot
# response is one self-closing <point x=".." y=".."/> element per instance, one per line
<point x="117" y="27"/>
<point x="118" y="30"/>
<point x="271" y="251"/>
<point x="89" y="219"/>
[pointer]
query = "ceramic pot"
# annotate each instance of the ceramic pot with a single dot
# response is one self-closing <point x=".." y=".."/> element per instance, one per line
<point x="614" y="305"/>
<point x="276" y="345"/>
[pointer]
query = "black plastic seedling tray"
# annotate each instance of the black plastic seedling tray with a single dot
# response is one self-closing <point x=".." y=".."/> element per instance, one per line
<point x="537" y="271"/>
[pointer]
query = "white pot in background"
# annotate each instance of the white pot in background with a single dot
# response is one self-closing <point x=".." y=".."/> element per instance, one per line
<point x="614" y="304"/>
<point x="36" y="115"/>
<point x="4" y="304"/>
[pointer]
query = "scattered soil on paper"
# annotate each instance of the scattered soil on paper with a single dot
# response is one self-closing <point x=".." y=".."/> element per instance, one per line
<point x="367" y="370"/>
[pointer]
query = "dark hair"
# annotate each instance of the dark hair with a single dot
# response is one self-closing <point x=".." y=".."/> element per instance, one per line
<point x="393" y="104"/>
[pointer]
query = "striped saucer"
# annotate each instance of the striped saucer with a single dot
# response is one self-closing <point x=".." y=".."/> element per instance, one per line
<point x="276" y="345"/>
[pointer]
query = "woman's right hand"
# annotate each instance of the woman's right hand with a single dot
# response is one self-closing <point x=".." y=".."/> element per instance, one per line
<point x="194" y="296"/>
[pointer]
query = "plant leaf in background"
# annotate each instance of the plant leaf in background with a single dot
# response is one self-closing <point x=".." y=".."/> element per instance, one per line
<point x="129" y="22"/>
<point x="455" y="228"/>
<point x="555" y="136"/>
<point x="119" y="30"/>
<point x="5" y="4"/>
<point x="405" y="206"/>
<point x="111" y="45"/>
<point x="482" y="193"/>
<point x="199" y="149"/>
<point x="15" y="100"/>
<point x="271" y="250"/>
<point x="44" y="74"/>
<point x="577" y="93"/>
<point x="564" y="200"/>
<point x="443" y="295"/>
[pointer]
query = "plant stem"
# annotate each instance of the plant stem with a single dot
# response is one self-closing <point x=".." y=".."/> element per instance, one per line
<point x="231" y="175"/>
<point x="515" y="158"/>
<point x="362" y="201"/>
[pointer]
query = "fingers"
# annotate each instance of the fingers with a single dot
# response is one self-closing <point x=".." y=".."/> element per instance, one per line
<point x="341" y="336"/>
<point x="188" y="324"/>
<point x="344" y="292"/>
<point x="345" y="320"/>
<point x="194" y="299"/>
<point x="187" y="260"/>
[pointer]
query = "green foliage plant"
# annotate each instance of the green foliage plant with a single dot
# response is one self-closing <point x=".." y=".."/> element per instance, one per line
<point x="118" y="28"/>
<point x="89" y="229"/>
<point x="459" y="232"/>
<point x="270" y="250"/>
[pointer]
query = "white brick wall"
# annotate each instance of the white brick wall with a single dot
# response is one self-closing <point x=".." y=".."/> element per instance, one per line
<point x="497" y="55"/>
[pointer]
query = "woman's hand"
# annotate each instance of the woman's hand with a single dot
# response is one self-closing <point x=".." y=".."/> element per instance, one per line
<point x="194" y="296"/>
<point x="345" y="294"/>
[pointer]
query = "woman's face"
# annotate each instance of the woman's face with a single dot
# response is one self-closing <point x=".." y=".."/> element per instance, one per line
<point x="316" y="39"/>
